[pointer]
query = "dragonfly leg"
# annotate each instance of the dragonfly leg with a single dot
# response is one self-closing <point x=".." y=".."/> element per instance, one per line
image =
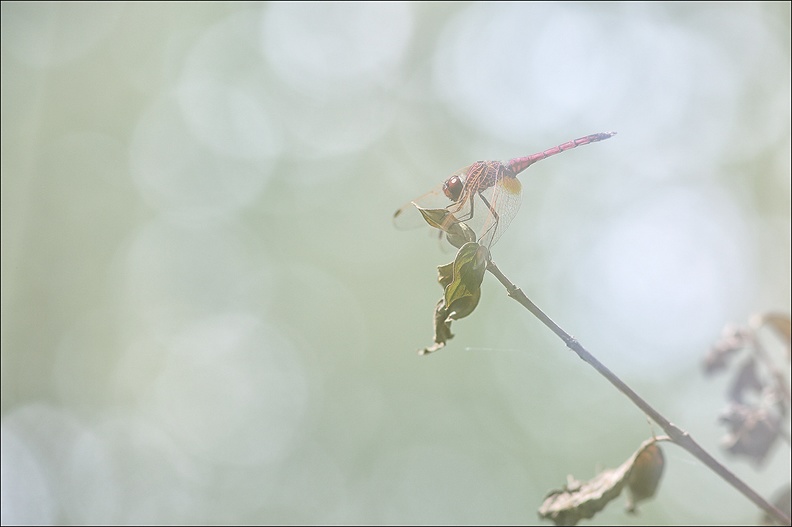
<point x="487" y="203"/>
<point x="466" y="215"/>
<point x="494" y="225"/>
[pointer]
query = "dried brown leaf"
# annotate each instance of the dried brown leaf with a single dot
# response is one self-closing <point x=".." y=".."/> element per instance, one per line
<point x="732" y="340"/>
<point x="457" y="232"/>
<point x="745" y="381"/>
<point x="579" y="500"/>
<point x="645" y="475"/>
<point x="753" y="430"/>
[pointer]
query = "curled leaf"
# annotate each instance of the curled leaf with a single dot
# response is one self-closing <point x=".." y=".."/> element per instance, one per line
<point x="745" y="381"/>
<point x="753" y="430"/>
<point x="462" y="293"/>
<point x="758" y="393"/>
<point x="437" y="218"/>
<point x="461" y="282"/>
<point x="442" y="329"/>
<point x="732" y="340"/>
<point x="581" y="500"/>
<point x="645" y="475"/>
<point x="457" y="232"/>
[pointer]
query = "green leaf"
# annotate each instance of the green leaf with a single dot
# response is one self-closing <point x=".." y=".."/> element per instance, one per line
<point x="461" y="283"/>
<point x="463" y="292"/>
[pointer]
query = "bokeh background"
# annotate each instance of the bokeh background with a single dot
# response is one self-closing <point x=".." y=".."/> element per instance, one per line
<point x="208" y="316"/>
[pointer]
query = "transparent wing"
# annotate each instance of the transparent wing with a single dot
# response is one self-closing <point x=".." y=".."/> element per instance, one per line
<point x="501" y="203"/>
<point x="408" y="216"/>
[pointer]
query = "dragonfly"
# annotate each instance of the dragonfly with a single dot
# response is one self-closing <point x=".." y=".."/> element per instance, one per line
<point x="484" y="196"/>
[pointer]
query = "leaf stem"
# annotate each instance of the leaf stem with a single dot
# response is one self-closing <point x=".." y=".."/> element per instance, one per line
<point x="677" y="435"/>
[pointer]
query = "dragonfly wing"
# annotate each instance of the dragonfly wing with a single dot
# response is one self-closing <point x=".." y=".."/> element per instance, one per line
<point x="501" y="203"/>
<point x="408" y="215"/>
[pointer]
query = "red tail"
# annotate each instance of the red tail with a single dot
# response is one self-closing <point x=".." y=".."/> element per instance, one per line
<point x="518" y="164"/>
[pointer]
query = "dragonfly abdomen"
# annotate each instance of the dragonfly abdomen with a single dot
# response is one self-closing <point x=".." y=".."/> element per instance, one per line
<point x="518" y="164"/>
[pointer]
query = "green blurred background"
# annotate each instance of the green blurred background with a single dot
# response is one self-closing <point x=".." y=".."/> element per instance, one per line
<point x="208" y="316"/>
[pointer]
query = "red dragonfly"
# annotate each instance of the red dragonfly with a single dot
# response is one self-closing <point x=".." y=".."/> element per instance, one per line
<point x="484" y="196"/>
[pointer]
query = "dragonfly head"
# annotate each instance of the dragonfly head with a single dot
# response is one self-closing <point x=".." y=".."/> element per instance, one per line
<point x="452" y="188"/>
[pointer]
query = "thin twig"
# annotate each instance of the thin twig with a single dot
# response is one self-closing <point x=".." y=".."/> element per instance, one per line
<point x="677" y="435"/>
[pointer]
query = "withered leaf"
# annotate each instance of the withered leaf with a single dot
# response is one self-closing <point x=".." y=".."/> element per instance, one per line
<point x="462" y="293"/>
<point x="442" y="329"/>
<point x="758" y="393"/>
<point x="732" y="340"/>
<point x="744" y="382"/>
<point x="461" y="282"/>
<point x="581" y="500"/>
<point x="753" y="430"/>
<point x="645" y="475"/>
<point x="457" y="233"/>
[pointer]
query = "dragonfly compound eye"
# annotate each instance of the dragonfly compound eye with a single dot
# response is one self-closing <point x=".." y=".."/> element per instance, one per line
<point x="452" y="188"/>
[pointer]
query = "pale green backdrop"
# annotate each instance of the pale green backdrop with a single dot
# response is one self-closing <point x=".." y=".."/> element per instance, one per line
<point x="208" y="316"/>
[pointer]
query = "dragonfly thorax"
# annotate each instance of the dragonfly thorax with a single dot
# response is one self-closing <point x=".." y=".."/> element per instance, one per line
<point x="452" y="188"/>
